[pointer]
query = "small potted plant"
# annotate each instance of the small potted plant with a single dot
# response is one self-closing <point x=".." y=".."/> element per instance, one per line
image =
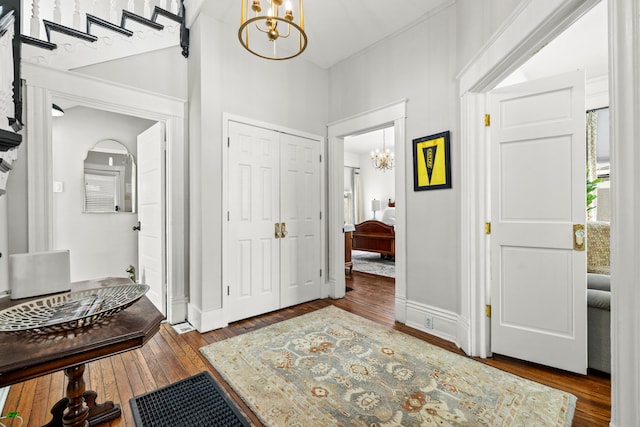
<point x="132" y="273"/>
<point x="592" y="187"/>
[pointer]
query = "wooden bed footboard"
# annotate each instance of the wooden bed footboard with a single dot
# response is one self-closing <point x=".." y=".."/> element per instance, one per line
<point x="375" y="236"/>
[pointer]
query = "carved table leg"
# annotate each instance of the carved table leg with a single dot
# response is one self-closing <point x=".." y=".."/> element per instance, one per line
<point x="79" y="408"/>
<point x="99" y="413"/>
<point x="77" y="412"/>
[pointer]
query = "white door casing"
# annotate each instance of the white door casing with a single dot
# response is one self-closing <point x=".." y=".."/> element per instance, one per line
<point x="43" y="83"/>
<point x="538" y="280"/>
<point x="274" y="181"/>
<point x="151" y="214"/>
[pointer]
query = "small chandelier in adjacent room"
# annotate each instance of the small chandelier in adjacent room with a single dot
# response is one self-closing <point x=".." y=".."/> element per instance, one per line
<point x="277" y="34"/>
<point x="382" y="159"/>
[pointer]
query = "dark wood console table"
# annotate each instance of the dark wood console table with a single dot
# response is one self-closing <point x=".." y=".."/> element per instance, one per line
<point x="25" y="357"/>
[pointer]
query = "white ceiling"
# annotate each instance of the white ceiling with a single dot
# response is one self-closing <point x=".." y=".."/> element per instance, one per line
<point x="368" y="142"/>
<point x="337" y="29"/>
<point x="584" y="45"/>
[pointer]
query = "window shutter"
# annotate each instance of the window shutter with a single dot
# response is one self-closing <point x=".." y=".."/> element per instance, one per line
<point x="100" y="193"/>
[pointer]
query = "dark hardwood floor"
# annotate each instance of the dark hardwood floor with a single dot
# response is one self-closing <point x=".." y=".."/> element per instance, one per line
<point x="169" y="357"/>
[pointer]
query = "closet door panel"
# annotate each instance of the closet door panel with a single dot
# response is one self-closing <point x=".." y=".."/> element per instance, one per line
<point x="300" y="212"/>
<point x="252" y="265"/>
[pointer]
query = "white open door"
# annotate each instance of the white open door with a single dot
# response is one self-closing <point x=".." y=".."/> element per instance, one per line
<point x="538" y="279"/>
<point x="151" y="214"/>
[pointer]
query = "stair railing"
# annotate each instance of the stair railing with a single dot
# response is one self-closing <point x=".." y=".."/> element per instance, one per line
<point x="75" y="18"/>
<point x="73" y="13"/>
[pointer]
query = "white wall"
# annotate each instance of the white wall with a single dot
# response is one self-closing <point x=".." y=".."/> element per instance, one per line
<point x="162" y="71"/>
<point x="478" y="20"/>
<point x="225" y="78"/>
<point x="376" y="184"/>
<point x="419" y="65"/>
<point x="100" y="244"/>
<point x="351" y="159"/>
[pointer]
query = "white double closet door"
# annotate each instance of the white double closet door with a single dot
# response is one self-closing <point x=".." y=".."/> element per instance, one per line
<point x="272" y="257"/>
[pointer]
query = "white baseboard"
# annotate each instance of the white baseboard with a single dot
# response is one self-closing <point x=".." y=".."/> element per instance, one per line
<point x="401" y="309"/>
<point x="463" y="335"/>
<point x="433" y="320"/>
<point x="206" y="321"/>
<point x="178" y="309"/>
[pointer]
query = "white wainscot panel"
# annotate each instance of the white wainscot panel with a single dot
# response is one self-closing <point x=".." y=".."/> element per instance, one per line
<point x="536" y="298"/>
<point x="244" y="255"/>
<point x="532" y="181"/>
<point x="266" y="266"/>
<point x="543" y="108"/>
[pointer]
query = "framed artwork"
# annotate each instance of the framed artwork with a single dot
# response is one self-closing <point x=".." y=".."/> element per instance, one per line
<point x="431" y="162"/>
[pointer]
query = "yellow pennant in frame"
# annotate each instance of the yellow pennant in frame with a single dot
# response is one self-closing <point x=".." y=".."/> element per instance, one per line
<point x="431" y="162"/>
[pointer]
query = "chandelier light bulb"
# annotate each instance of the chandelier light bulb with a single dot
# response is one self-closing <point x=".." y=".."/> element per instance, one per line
<point x="275" y="24"/>
<point x="288" y="14"/>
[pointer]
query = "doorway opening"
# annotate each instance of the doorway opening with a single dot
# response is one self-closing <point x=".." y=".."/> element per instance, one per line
<point x="474" y="86"/>
<point x="101" y="241"/>
<point x="542" y="76"/>
<point x="369" y="202"/>
<point x="42" y="86"/>
<point x="388" y="117"/>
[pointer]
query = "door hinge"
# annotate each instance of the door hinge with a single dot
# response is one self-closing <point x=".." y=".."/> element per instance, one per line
<point x="487" y="120"/>
<point x="487" y="228"/>
<point x="320" y="215"/>
<point x="320" y="272"/>
<point x="487" y="310"/>
<point x="228" y="142"/>
<point x="320" y="158"/>
<point x="228" y="216"/>
<point x="228" y="291"/>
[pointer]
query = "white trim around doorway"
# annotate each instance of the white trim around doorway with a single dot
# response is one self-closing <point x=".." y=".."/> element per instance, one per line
<point x="42" y="85"/>
<point x="530" y="26"/>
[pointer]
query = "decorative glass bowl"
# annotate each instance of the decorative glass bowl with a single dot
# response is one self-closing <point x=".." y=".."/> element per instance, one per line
<point x="68" y="311"/>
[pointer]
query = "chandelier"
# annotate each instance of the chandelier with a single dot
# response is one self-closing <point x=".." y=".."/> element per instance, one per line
<point x="382" y="159"/>
<point x="260" y="33"/>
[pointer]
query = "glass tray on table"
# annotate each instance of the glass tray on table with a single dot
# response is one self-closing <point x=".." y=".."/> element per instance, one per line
<point x="71" y="310"/>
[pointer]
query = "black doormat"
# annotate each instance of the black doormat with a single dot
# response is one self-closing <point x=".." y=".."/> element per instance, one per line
<point x="197" y="401"/>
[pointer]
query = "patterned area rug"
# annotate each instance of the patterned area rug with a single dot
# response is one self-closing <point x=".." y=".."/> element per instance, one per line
<point x="371" y="262"/>
<point x="331" y="367"/>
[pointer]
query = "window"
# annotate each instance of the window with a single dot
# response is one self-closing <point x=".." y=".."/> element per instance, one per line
<point x="100" y="191"/>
